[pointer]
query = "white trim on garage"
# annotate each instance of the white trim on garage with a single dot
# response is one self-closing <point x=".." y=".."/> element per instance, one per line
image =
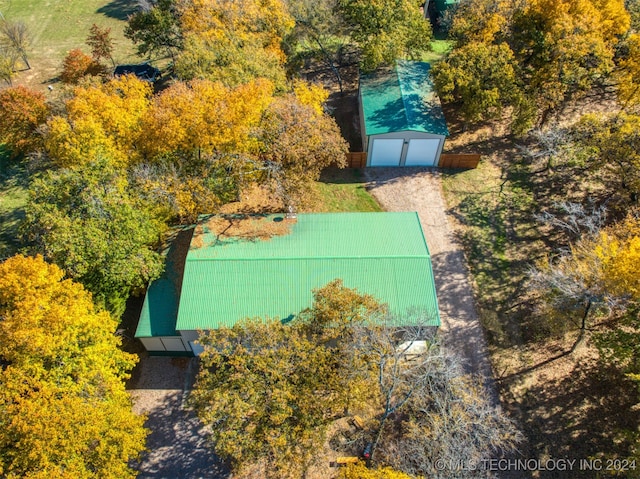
<point x="404" y="148"/>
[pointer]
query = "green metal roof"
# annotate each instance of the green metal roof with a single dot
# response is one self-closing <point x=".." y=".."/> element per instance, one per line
<point x="401" y="99"/>
<point x="159" y="311"/>
<point x="384" y="254"/>
<point x="443" y="5"/>
<point x="160" y="307"/>
<point x="225" y="280"/>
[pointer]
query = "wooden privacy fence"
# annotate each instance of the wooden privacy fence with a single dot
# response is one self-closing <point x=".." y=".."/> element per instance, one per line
<point x="448" y="160"/>
<point x="357" y="160"/>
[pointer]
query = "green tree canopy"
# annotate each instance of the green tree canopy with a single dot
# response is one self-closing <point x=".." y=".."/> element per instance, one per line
<point x="483" y="78"/>
<point x="156" y="30"/>
<point x="386" y="30"/>
<point x="264" y="386"/>
<point x="90" y="226"/>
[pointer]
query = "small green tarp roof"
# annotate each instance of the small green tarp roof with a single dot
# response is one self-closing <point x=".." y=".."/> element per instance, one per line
<point x="401" y="99"/>
<point x="383" y="254"/>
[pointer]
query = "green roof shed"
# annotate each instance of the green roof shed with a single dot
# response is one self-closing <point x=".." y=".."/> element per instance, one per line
<point x="401" y="118"/>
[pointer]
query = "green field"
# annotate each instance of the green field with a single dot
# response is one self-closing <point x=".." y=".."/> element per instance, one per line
<point x="439" y="48"/>
<point x="13" y="197"/>
<point x="58" y="26"/>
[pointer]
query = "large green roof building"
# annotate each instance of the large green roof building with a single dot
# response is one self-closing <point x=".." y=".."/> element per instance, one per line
<point x="230" y="278"/>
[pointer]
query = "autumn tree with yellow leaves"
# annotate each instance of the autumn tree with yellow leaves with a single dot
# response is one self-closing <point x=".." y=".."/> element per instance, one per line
<point x="65" y="412"/>
<point x="558" y="50"/>
<point x="103" y="120"/>
<point x="596" y="275"/>
<point x="22" y="112"/>
<point x="233" y="42"/>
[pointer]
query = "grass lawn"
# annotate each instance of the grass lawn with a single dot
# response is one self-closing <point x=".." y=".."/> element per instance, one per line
<point x="343" y="191"/>
<point x="439" y="48"/>
<point x="13" y="197"/>
<point x="57" y="26"/>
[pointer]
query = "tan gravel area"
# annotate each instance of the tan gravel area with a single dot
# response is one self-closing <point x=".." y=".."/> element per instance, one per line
<point x="420" y="190"/>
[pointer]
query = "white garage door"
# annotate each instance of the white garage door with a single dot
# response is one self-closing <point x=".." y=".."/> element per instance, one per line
<point x="153" y="344"/>
<point x="173" y="344"/>
<point x="422" y="152"/>
<point x="386" y="152"/>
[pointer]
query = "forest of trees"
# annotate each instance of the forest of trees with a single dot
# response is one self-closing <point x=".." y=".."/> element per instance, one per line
<point x="112" y="165"/>
<point x="270" y="390"/>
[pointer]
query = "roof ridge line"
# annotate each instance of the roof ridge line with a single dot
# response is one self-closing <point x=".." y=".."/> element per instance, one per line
<point x="280" y="258"/>
<point x="402" y="96"/>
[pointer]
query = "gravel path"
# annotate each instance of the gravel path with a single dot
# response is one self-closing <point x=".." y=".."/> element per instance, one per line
<point x="419" y="189"/>
<point x="177" y="444"/>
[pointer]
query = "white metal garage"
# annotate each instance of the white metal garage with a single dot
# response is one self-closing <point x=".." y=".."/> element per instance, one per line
<point x="401" y="119"/>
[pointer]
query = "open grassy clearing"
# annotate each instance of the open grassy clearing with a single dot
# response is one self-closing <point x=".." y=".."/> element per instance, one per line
<point x="439" y="48"/>
<point x="58" y="26"/>
<point x="343" y="191"/>
<point x="13" y="198"/>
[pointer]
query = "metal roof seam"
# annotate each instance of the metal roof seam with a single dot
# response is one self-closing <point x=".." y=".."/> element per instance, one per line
<point x="297" y="258"/>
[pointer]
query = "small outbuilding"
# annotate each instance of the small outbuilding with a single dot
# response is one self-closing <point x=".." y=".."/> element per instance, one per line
<point x="269" y="265"/>
<point x="401" y="118"/>
<point x="435" y="10"/>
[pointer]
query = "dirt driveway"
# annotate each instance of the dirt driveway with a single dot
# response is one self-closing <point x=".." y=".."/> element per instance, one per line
<point x="419" y="189"/>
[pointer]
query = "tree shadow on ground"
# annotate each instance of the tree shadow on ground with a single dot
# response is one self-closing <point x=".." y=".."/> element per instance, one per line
<point x="14" y="180"/>
<point x="119" y="9"/>
<point x="579" y="415"/>
<point x="342" y="175"/>
<point x="344" y="109"/>
<point x="177" y="444"/>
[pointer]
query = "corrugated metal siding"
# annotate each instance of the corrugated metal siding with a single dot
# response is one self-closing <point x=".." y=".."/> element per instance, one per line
<point x="323" y="235"/>
<point x="159" y="311"/>
<point x="221" y="293"/>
